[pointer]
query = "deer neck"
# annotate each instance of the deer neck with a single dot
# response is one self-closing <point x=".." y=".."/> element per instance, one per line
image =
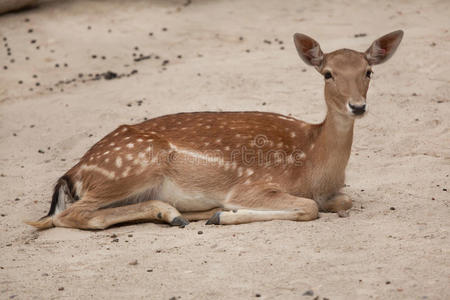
<point x="334" y="139"/>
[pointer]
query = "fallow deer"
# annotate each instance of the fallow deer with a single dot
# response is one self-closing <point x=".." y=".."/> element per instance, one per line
<point x="227" y="167"/>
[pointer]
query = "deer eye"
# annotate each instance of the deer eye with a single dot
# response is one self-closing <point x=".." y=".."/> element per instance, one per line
<point x="369" y="74"/>
<point x="327" y="75"/>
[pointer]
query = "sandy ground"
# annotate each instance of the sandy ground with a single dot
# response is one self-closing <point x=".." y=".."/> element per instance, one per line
<point x="394" y="245"/>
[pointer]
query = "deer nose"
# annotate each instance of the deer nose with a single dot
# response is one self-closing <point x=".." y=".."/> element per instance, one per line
<point x="357" y="109"/>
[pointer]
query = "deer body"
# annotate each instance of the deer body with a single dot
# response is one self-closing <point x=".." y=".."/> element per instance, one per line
<point x="228" y="167"/>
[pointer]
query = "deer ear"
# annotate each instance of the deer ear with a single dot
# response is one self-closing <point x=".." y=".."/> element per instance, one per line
<point x="384" y="47"/>
<point x="308" y="49"/>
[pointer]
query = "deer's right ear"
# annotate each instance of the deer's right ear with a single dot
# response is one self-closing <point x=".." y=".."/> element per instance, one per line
<point x="384" y="47"/>
<point x="308" y="49"/>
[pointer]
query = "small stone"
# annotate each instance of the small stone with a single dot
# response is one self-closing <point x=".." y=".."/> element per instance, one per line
<point x="113" y="236"/>
<point x="164" y="29"/>
<point x="388" y="282"/>
<point x="133" y="263"/>
<point x="308" y="293"/>
<point x="257" y="295"/>
<point x="150" y="270"/>
<point x="30" y="30"/>
<point x="392" y="208"/>
<point x="33" y="41"/>
<point x="200" y="232"/>
<point x="115" y="241"/>
<point x="41" y="151"/>
<point x="130" y="235"/>
<point x="61" y="289"/>
<point x="343" y="214"/>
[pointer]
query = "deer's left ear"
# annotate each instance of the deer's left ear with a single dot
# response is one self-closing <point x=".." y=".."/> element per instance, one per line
<point x="384" y="47"/>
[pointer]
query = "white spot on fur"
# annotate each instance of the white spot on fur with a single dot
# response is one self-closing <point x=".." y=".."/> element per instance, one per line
<point x="286" y="118"/>
<point x="140" y="140"/>
<point x="112" y="144"/>
<point x="129" y="156"/>
<point x="130" y="145"/>
<point x="141" y="155"/>
<point x="125" y="173"/>
<point x="95" y="168"/>
<point x="106" y="160"/>
<point x="240" y="171"/>
<point x="106" y="152"/>
<point x="249" y="172"/>
<point x="312" y="146"/>
<point x="117" y="148"/>
<point x="118" y="162"/>
<point x="127" y="138"/>
<point x="293" y="134"/>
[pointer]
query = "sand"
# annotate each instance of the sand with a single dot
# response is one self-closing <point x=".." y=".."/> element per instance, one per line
<point x="395" y="243"/>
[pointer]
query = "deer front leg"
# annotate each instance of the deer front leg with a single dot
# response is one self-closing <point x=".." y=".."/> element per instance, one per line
<point x="265" y="206"/>
<point x="335" y="203"/>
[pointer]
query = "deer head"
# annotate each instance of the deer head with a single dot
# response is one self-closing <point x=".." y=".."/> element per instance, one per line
<point x="347" y="72"/>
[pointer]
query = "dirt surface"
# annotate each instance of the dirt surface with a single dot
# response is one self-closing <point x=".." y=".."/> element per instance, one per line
<point x="225" y="55"/>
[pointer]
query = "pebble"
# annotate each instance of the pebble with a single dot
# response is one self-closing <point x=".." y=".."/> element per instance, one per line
<point x="360" y="35"/>
<point x="343" y="214"/>
<point x="392" y="208"/>
<point x="133" y="263"/>
<point x="61" y="289"/>
<point x="308" y="293"/>
<point x="200" y="232"/>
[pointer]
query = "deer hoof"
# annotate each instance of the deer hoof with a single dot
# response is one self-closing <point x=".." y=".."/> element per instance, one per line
<point x="214" y="220"/>
<point x="179" y="221"/>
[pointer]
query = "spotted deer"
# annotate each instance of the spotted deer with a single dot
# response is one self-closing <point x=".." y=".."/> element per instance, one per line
<point x="226" y="167"/>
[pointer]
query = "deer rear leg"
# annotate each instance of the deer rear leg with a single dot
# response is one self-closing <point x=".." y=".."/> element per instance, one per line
<point x="337" y="202"/>
<point x="152" y="210"/>
<point x="267" y="207"/>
